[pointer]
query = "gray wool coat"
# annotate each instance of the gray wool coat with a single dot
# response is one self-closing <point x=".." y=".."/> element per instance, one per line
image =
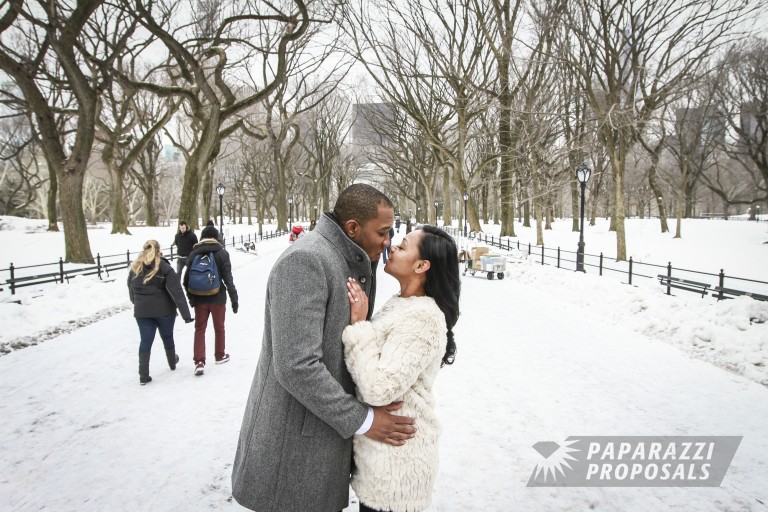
<point x="295" y="447"/>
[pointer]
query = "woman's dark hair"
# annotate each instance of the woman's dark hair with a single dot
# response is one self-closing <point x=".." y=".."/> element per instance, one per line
<point x="443" y="283"/>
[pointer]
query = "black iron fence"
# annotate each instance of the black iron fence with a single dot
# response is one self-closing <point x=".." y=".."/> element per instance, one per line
<point x="60" y="272"/>
<point x="720" y="285"/>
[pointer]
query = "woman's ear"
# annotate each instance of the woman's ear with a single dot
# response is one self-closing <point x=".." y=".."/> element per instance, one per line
<point x="422" y="266"/>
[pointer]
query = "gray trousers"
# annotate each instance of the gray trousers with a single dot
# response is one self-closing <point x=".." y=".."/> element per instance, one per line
<point x="181" y="262"/>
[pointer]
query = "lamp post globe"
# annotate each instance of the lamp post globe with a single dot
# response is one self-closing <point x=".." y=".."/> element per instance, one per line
<point x="583" y="173"/>
<point x="220" y="190"/>
<point x="466" y="198"/>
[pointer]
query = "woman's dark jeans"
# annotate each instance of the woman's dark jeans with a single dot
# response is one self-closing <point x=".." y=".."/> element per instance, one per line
<point x="148" y="327"/>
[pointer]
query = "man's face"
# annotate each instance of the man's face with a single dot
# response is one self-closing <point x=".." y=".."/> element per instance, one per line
<point x="183" y="228"/>
<point x="373" y="236"/>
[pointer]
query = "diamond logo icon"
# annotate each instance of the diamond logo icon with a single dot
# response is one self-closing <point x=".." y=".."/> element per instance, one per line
<point x="546" y="448"/>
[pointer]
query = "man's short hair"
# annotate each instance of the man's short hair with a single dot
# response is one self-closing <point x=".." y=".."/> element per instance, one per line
<point x="183" y="223"/>
<point x="359" y="202"/>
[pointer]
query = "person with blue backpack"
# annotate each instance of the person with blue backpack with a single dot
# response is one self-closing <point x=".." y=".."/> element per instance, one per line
<point x="208" y="280"/>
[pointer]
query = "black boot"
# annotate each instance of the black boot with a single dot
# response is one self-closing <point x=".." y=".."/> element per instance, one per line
<point x="172" y="357"/>
<point x="144" y="368"/>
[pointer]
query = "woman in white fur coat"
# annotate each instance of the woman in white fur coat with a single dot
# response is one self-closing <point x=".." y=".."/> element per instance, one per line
<point x="396" y="357"/>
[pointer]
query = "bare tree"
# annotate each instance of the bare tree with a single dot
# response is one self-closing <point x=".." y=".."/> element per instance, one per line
<point x="420" y="52"/>
<point x="741" y="96"/>
<point x="22" y="177"/>
<point x="225" y="40"/>
<point x="634" y="57"/>
<point x="47" y="48"/>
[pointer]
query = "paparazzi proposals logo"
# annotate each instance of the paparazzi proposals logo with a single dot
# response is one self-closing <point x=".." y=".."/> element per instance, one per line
<point x="635" y="461"/>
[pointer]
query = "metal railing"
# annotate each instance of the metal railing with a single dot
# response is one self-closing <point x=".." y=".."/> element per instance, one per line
<point x="561" y="258"/>
<point x="63" y="271"/>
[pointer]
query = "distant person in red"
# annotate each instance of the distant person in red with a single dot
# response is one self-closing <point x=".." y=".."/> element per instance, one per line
<point x="296" y="232"/>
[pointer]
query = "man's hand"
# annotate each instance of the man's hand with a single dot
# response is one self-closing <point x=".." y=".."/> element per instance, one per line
<point x="391" y="429"/>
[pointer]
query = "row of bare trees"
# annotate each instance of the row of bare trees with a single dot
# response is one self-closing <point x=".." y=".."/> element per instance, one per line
<point x="515" y="94"/>
<point x="497" y="99"/>
<point x="122" y="78"/>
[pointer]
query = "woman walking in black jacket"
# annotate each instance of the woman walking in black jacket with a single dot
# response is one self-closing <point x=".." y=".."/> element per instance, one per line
<point x="156" y="293"/>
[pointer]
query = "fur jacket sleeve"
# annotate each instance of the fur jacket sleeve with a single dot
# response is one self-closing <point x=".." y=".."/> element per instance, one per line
<point x="387" y="355"/>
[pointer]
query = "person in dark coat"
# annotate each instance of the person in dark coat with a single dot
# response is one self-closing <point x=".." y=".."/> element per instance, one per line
<point x="213" y="305"/>
<point x="184" y="241"/>
<point x="156" y="294"/>
<point x="219" y="236"/>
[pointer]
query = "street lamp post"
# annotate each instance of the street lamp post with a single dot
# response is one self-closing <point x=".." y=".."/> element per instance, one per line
<point x="290" y="215"/>
<point x="315" y="218"/>
<point x="436" y="203"/>
<point x="466" y="198"/>
<point x="583" y="172"/>
<point x="220" y="191"/>
<point x="757" y="217"/>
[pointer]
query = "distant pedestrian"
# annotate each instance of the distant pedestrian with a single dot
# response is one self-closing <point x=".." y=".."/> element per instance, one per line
<point x="397" y="223"/>
<point x="312" y="225"/>
<point x="388" y="248"/>
<point x="219" y="235"/>
<point x="213" y="305"/>
<point x="184" y="241"/>
<point x="296" y="232"/>
<point x="408" y="226"/>
<point x="156" y="294"/>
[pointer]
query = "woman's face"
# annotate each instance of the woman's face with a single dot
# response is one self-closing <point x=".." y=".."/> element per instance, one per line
<point x="404" y="257"/>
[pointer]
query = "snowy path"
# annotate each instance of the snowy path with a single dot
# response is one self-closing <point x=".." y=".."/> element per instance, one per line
<point x="79" y="433"/>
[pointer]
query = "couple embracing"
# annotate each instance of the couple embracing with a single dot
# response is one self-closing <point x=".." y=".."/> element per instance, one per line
<point x="329" y="376"/>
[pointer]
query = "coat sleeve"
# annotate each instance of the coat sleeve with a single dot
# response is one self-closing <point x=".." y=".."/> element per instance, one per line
<point x="130" y="289"/>
<point x="298" y="294"/>
<point x="173" y="287"/>
<point x="225" y="271"/>
<point x="384" y="369"/>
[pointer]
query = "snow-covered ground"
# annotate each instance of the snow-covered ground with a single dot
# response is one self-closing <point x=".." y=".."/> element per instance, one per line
<point x="543" y="355"/>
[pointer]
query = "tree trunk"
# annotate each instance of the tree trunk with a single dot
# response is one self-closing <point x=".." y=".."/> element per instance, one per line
<point x="117" y="194"/>
<point x="77" y="247"/>
<point x="617" y="220"/>
<point x="149" y="205"/>
<point x="188" y="201"/>
<point x="206" y="194"/>
<point x="575" y="212"/>
<point x="53" y="224"/>
<point x="527" y="213"/>
<point x="537" y="213"/>
<point x="659" y="201"/>
<point x="447" y="206"/>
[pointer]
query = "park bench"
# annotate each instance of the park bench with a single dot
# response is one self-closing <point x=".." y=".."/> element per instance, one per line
<point x="729" y="293"/>
<point x="684" y="284"/>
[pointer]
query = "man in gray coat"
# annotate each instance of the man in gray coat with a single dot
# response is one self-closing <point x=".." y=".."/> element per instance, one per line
<point x="295" y="447"/>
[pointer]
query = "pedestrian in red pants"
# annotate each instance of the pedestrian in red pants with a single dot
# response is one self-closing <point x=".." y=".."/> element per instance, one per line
<point x="214" y="305"/>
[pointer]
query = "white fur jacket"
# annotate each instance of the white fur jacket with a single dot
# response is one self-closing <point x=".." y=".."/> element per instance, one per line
<point x="393" y="357"/>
